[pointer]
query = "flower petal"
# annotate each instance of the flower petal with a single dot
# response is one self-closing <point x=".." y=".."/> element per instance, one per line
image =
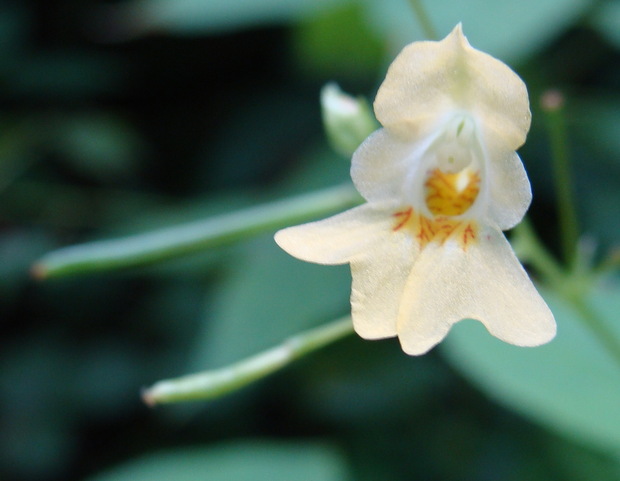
<point x="379" y="278"/>
<point x="380" y="165"/>
<point x="509" y="190"/>
<point x="337" y="239"/>
<point x="483" y="282"/>
<point x="430" y="79"/>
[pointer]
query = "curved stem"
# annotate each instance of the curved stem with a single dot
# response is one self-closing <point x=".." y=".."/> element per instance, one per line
<point x="219" y="382"/>
<point x="553" y="106"/>
<point x="176" y="241"/>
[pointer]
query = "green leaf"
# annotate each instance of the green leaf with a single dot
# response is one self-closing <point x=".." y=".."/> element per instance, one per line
<point x="248" y="461"/>
<point x="508" y="30"/>
<point x="571" y="385"/>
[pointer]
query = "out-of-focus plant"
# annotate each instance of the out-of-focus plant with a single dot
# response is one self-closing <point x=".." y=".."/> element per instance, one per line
<point x="574" y="287"/>
<point x="264" y="310"/>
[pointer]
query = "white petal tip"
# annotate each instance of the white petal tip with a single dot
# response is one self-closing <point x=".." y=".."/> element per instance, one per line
<point x="530" y="331"/>
<point x="285" y="240"/>
<point x="459" y="36"/>
<point x="417" y="350"/>
<point x="535" y="339"/>
<point x="418" y="345"/>
<point x="458" y="30"/>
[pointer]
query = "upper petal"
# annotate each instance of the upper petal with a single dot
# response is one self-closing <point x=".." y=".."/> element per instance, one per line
<point x="428" y="80"/>
<point x="484" y="282"/>
<point x="337" y="239"/>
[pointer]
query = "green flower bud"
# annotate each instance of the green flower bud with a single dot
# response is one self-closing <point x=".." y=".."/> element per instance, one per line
<point x="347" y="120"/>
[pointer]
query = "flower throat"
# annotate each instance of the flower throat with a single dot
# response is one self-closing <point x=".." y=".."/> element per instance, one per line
<point x="451" y="187"/>
<point x="451" y="194"/>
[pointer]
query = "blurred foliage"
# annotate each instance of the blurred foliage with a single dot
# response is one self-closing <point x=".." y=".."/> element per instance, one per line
<point x="237" y="462"/>
<point x="532" y="381"/>
<point x="118" y="117"/>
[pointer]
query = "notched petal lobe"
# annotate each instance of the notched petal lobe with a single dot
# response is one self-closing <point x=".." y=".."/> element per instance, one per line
<point x="484" y="282"/>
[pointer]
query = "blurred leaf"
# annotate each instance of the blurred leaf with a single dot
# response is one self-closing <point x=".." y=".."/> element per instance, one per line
<point x="65" y="204"/>
<point x="571" y="384"/>
<point x="595" y="158"/>
<point x="268" y="297"/>
<point x="360" y="51"/>
<point x="600" y="203"/>
<point x="510" y="31"/>
<point x="595" y="121"/>
<point x="576" y="463"/>
<point x="101" y="146"/>
<point x="106" y="378"/>
<point x="62" y="74"/>
<point x="358" y="383"/>
<point x="16" y="149"/>
<point x="192" y="16"/>
<point x="13" y="28"/>
<point x="606" y="20"/>
<point x="36" y="427"/>
<point x="248" y="461"/>
<point x="293" y="119"/>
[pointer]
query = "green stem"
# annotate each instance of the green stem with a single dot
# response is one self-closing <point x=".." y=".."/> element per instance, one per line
<point x="216" y="383"/>
<point x="553" y="106"/>
<point x="168" y="243"/>
<point x="572" y="286"/>
<point x="425" y="22"/>
<point x="530" y="249"/>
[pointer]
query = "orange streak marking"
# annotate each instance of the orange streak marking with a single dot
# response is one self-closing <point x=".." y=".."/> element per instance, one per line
<point x="437" y="229"/>
<point x="404" y="213"/>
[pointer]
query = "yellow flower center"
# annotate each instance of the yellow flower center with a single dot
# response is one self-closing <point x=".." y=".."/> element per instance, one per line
<point x="451" y="194"/>
<point x="447" y="195"/>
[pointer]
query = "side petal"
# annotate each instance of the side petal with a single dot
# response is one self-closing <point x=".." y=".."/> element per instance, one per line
<point x="484" y="282"/>
<point x="429" y="79"/>
<point x="509" y="190"/>
<point x="379" y="278"/>
<point x="337" y="239"/>
<point x="381" y="163"/>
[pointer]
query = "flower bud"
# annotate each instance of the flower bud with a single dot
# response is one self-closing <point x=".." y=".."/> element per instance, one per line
<point x="347" y="120"/>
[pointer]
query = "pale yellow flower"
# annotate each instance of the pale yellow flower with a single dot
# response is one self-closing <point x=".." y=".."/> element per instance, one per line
<point x="441" y="180"/>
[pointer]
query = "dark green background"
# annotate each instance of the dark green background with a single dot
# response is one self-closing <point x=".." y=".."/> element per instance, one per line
<point x="116" y="120"/>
